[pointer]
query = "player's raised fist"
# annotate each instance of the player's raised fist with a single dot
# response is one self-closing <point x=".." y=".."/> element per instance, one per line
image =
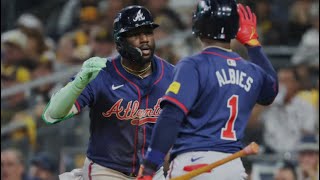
<point x="89" y="70"/>
<point x="247" y="33"/>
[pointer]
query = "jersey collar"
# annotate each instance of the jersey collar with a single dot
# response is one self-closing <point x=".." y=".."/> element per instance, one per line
<point x="157" y="68"/>
<point x="217" y="47"/>
<point x="221" y="52"/>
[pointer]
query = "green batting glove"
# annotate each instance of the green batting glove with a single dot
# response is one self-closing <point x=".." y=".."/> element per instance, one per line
<point x="89" y="70"/>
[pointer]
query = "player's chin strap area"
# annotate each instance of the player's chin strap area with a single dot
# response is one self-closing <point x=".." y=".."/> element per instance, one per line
<point x="131" y="53"/>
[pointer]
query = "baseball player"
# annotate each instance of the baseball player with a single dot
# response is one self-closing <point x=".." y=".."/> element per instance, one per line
<point x="123" y="93"/>
<point x="207" y="106"/>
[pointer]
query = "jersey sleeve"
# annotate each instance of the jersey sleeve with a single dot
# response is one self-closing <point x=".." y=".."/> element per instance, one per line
<point x="269" y="89"/>
<point x="86" y="98"/>
<point x="183" y="91"/>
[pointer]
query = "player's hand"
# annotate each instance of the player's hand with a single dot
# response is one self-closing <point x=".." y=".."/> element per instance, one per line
<point x="144" y="178"/>
<point x="89" y="71"/>
<point x="247" y="33"/>
<point x="145" y="173"/>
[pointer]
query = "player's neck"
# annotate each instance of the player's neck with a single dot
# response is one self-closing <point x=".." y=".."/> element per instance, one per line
<point x="218" y="47"/>
<point x="206" y="43"/>
<point x="139" y="70"/>
<point x="134" y="66"/>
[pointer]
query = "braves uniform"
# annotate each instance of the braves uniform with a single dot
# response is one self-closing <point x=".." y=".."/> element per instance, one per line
<point x="123" y="110"/>
<point x="217" y="105"/>
<point x="124" y="100"/>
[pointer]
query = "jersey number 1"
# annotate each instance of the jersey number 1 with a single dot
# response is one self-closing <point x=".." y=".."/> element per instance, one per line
<point x="228" y="132"/>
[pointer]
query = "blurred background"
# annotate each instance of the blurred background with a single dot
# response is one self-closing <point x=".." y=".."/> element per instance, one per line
<point x="44" y="43"/>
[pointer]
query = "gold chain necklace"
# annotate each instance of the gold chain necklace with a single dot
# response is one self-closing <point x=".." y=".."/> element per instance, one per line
<point x="136" y="73"/>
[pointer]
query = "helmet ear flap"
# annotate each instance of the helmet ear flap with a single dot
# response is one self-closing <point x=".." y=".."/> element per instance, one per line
<point x="119" y="41"/>
<point x="127" y="51"/>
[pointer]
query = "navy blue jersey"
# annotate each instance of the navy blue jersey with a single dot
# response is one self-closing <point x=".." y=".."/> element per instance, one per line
<point x="123" y="110"/>
<point x="218" y="102"/>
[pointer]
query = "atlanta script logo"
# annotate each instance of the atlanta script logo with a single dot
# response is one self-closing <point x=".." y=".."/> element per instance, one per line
<point x="133" y="113"/>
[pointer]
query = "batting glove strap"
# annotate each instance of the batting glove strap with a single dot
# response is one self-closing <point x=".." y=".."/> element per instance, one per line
<point x="247" y="33"/>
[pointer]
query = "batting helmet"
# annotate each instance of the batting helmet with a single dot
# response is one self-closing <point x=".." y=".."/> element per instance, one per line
<point x="126" y="20"/>
<point x="216" y="19"/>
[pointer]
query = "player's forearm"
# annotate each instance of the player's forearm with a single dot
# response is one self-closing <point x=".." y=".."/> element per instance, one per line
<point x="63" y="100"/>
<point x="270" y="85"/>
<point x="258" y="57"/>
<point x="168" y="122"/>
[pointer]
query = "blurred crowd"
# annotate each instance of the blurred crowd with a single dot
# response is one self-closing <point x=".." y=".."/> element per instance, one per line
<point x="43" y="42"/>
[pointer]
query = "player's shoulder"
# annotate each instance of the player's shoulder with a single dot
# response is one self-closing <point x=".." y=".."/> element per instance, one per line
<point x="192" y="59"/>
<point x="109" y="68"/>
<point x="110" y="59"/>
<point x="252" y="66"/>
<point x="189" y="62"/>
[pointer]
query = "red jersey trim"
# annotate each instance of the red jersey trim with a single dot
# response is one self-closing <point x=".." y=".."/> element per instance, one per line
<point x="136" y="131"/>
<point x="77" y="106"/>
<point x="220" y="55"/>
<point x="161" y="75"/>
<point x="176" y="102"/>
<point x="90" y="171"/>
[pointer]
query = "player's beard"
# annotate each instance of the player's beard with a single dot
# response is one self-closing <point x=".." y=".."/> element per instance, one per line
<point x="137" y="55"/>
<point x="145" y="59"/>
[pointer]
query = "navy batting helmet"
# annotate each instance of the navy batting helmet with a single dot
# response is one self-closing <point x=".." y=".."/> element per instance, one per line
<point x="216" y="19"/>
<point x="127" y="19"/>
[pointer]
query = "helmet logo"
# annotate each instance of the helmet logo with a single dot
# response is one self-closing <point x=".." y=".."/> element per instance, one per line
<point x="203" y="6"/>
<point x="222" y="30"/>
<point x="139" y="16"/>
